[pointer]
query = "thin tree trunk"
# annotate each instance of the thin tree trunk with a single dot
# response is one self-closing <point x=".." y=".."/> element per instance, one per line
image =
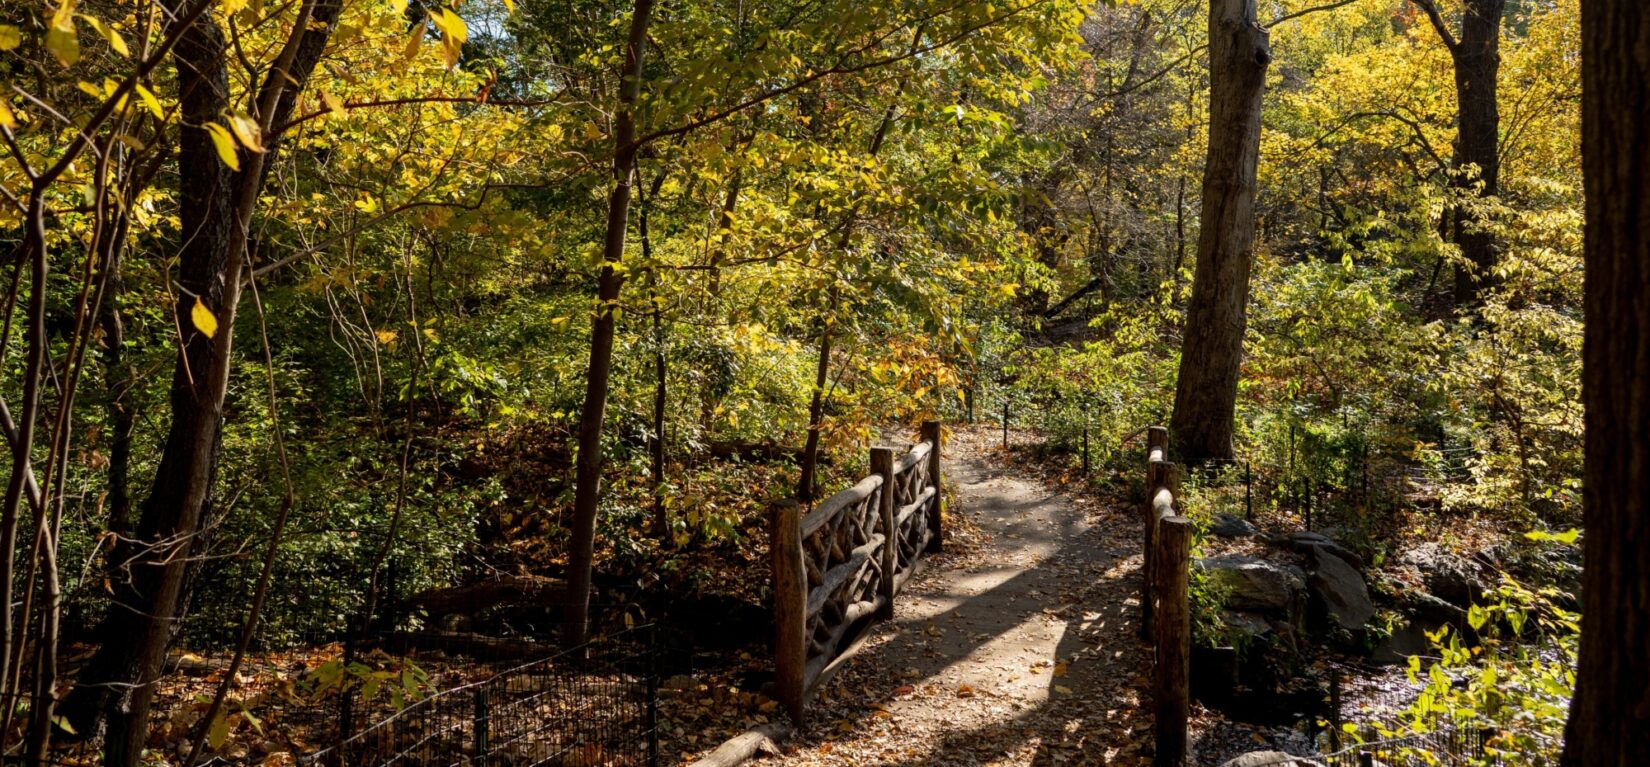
<point x="588" y="472"/>
<point x="1206" y="392"/>
<point x="816" y="407"/>
<point x="1610" y="716"/>
<point x="661" y="390"/>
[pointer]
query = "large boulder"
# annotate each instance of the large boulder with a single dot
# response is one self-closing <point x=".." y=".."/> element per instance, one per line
<point x="1304" y="542"/>
<point x="1229" y="526"/>
<point x="1255" y="584"/>
<point x="1270" y="759"/>
<point x="1452" y="578"/>
<point x="1340" y="587"/>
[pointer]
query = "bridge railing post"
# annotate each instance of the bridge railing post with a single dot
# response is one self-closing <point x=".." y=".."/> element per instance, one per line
<point x="1172" y="698"/>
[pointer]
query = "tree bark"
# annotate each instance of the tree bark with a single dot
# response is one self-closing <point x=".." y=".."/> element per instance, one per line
<point x="1206" y="393"/>
<point x="1476" y="166"/>
<point x="588" y="472"/>
<point x="1610" y="716"/>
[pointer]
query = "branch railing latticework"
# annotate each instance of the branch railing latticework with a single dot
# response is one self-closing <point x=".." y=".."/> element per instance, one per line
<point x="840" y="565"/>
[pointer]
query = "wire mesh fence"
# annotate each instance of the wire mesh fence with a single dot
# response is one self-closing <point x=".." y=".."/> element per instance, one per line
<point x="1450" y="747"/>
<point x="594" y="704"/>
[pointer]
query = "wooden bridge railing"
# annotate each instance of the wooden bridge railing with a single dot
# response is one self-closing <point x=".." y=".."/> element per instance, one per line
<point x="1165" y="612"/>
<point x="842" y="563"/>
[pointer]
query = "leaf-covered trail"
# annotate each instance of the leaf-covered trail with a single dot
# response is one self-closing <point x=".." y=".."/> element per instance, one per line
<point x="1015" y="648"/>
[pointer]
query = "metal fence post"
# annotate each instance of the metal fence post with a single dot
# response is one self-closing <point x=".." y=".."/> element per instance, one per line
<point x="652" y="696"/>
<point x="1005" y="419"/>
<point x="1248" y="493"/>
<point x="1085" y="450"/>
<point x="1335" y="709"/>
<point x="480" y="726"/>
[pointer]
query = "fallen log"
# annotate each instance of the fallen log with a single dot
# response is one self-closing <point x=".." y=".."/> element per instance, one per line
<point x="755" y="451"/>
<point x="478" y="646"/>
<point x="757" y="740"/>
<point x="472" y="598"/>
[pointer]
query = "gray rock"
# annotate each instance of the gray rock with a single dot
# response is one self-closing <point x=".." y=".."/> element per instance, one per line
<point x="1303" y="542"/>
<point x="1454" y="579"/>
<point x="1255" y="584"/>
<point x="1340" y="587"/>
<point x="1270" y="759"/>
<point x="1228" y="526"/>
<point x="1246" y="625"/>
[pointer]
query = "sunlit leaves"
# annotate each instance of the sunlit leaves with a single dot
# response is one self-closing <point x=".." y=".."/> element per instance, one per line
<point x="247" y="131"/>
<point x="203" y="319"/>
<point x="10" y="37"/>
<point x="61" y="40"/>
<point x="150" y="102"/>
<point x="224" y="143"/>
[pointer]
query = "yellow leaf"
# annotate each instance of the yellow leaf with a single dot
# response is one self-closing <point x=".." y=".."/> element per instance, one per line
<point x="413" y="42"/>
<point x="510" y="6"/>
<point x="225" y="145"/>
<point x="203" y="318"/>
<point x="453" y="34"/>
<point x="386" y="337"/>
<point x="108" y="33"/>
<point x="61" y="40"/>
<point x="246" y="129"/>
<point x="10" y="37"/>
<point x="231" y="7"/>
<point x="1062" y="689"/>
<point x="149" y="100"/>
<point x="7" y="119"/>
<point x="334" y="104"/>
<point x="218" y="732"/>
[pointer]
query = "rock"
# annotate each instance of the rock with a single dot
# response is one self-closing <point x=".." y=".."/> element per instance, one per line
<point x="1255" y="584"/>
<point x="1270" y="759"/>
<point x="1454" y="579"/>
<point x="1245" y="626"/>
<point x="1228" y="526"/>
<point x="1306" y="541"/>
<point x="1340" y="587"/>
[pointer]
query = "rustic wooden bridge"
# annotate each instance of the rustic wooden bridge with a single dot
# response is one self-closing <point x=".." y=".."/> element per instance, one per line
<point x="838" y="567"/>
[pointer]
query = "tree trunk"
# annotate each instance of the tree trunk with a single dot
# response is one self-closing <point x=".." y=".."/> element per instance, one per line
<point x="588" y="472"/>
<point x="1610" y="716"/>
<point x="216" y="206"/>
<point x="1477" y="66"/>
<point x="1206" y="394"/>
<point x="1476" y="166"/>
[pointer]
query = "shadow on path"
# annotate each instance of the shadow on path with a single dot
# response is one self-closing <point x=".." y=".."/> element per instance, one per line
<point x="1021" y="652"/>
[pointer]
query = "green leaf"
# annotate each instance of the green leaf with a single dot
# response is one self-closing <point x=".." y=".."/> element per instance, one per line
<point x="218" y="732"/>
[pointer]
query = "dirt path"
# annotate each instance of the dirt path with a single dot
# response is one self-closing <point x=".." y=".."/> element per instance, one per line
<point x="1015" y="648"/>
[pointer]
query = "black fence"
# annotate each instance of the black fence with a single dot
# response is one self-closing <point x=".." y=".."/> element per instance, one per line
<point x="597" y="704"/>
<point x="1448" y="747"/>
